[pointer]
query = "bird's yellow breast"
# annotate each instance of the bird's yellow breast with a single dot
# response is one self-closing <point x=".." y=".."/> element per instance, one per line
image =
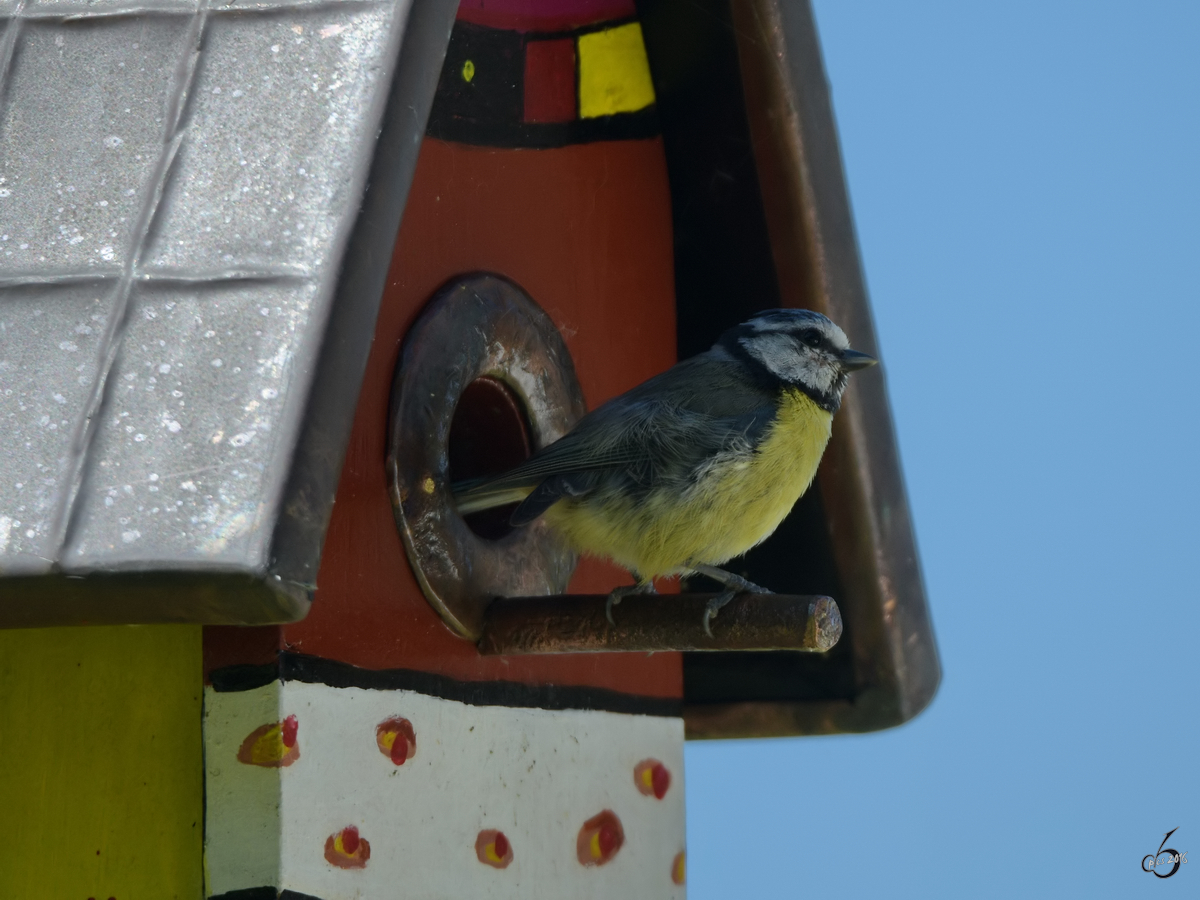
<point x="736" y="503"/>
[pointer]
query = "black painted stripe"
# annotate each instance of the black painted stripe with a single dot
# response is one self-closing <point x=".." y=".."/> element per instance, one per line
<point x="546" y="135"/>
<point x="262" y="893"/>
<point x="314" y="670"/>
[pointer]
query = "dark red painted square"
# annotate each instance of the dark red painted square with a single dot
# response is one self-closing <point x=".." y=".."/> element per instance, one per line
<point x="550" y="81"/>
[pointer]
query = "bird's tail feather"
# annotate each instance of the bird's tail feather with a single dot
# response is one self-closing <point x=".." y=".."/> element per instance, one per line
<point x="472" y="499"/>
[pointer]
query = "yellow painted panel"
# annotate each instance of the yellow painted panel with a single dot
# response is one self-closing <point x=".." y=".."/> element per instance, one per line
<point x="101" y="768"/>
<point x="614" y="74"/>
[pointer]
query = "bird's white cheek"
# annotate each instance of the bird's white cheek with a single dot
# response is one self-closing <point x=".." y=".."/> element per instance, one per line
<point x="820" y="374"/>
<point x="778" y="355"/>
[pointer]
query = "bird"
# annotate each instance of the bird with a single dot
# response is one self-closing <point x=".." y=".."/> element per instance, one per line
<point x="694" y="466"/>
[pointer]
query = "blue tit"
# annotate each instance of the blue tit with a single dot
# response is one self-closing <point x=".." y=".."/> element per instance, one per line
<point x="694" y="466"/>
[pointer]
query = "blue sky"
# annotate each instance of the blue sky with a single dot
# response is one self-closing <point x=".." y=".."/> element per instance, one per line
<point x="1026" y="184"/>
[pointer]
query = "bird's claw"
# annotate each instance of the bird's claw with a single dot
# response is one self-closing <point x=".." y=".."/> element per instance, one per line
<point x="733" y="584"/>
<point x="714" y="606"/>
<point x="613" y="599"/>
<point x="642" y="587"/>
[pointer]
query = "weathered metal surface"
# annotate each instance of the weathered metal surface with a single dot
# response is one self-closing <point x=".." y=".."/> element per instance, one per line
<point x="179" y="186"/>
<point x="656" y="623"/>
<point x="481" y="326"/>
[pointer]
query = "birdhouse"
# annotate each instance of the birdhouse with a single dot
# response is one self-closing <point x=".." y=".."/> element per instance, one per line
<point x="274" y="275"/>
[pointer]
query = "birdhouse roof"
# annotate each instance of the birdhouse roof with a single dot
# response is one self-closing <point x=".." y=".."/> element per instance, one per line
<point x="179" y="186"/>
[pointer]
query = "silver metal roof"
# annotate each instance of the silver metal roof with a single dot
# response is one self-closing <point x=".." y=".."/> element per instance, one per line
<point x="179" y="183"/>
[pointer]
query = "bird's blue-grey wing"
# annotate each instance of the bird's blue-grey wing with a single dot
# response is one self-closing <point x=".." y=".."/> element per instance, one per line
<point x="656" y="435"/>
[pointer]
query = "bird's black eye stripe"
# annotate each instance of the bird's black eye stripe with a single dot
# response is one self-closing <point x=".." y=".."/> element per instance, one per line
<point x="812" y="338"/>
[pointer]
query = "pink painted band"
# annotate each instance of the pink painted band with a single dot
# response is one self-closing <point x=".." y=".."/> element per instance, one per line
<point x="543" y="15"/>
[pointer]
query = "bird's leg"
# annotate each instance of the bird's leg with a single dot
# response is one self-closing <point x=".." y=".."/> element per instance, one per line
<point x="736" y="582"/>
<point x="643" y="586"/>
<point x="734" y="585"/>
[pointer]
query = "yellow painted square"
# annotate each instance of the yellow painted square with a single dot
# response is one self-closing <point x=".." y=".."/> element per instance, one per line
<point x="614" y="74"/>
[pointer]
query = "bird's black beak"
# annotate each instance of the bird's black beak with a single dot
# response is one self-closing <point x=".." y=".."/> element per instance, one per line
<point x="852" y="360"/>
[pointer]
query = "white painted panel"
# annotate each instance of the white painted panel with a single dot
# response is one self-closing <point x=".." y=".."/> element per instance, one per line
<point x="536" y="775"/>
<point x="241" y="831"/>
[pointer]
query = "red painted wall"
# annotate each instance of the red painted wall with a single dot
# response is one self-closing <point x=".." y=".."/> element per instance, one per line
<point x="586" y="230"/>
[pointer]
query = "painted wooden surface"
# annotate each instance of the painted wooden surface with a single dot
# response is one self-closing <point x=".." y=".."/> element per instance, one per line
<point x="101" y="774"/>
<point x="482" y="801"/>
<point x="585" y="229"/>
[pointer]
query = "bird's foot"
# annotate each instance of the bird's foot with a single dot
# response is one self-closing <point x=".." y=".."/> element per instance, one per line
<point x="642" y="587"/>
<point x="734" y="585"/>
<point x="731" y="581"/>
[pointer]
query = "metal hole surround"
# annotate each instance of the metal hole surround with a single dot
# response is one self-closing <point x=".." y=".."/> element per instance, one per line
<point x="478" y="326"/>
